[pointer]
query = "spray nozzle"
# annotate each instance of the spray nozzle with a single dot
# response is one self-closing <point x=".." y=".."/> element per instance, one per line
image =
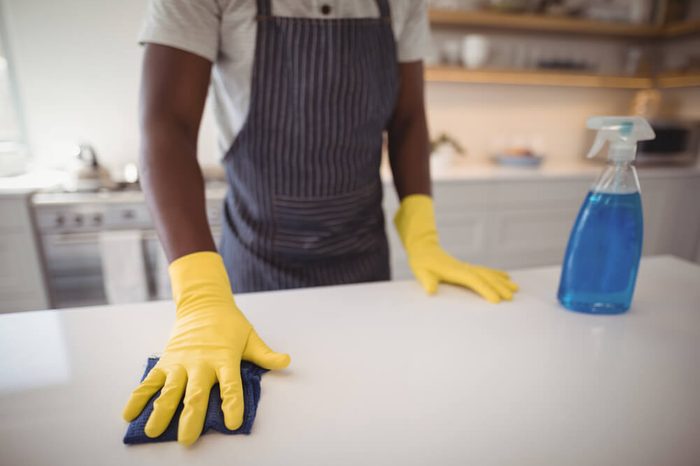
<point x="623" y="133"/>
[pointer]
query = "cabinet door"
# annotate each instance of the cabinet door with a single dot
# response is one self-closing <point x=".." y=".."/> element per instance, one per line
<point x="526" y="223"/>
<point x="686" y="222"/>
<point x="18" y="275"/>
<point x="21" y="277"/>
<point x="671" y="216"/>
<point x="532" y="221"/>
<point x="464" y="234"/>
<point x="657" y="219"/>
<point x="530" y="237"/>
<point x="461" y="221"/>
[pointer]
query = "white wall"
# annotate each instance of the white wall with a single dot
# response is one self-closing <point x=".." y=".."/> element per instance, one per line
<point x="481" y="115"/>
<point x="78" y="66"/>
<point x="683" y="102"/>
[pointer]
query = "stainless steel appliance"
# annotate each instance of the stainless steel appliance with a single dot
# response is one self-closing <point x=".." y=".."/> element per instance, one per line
<point x="677" y="143"/>
<point x="69" y="225"/>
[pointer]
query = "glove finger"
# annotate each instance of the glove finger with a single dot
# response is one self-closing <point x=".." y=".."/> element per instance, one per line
<point x="488" y="270"/>
<point x="511" y="285"/>
<point x="257" y="352"/>
<point x="499" y="285"/>
<point x="492" y="275"/>
<point x="199" y="383"/>
<point x="428" y="281"/>
<point x="231" y="395"/>
<point x="461" y="274"/>
<point x="144" y="392"/>
<point x="167" y="402"/>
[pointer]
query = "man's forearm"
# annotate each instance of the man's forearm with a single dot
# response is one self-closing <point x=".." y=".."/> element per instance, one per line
<point x="409" y="144"/>
<point x="174" y="188"/>
<point x="409" y="157"/>
<point x="173" y="91"/>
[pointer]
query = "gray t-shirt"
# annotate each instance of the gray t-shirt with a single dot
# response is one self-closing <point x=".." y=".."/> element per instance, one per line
<point x="223" y="31"/>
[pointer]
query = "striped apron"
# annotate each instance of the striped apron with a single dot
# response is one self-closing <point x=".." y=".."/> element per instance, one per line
<point x="304" y="206"/>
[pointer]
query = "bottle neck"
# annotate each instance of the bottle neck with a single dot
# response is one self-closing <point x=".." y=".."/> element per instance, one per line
<point x="622" y="151"/>
<point x="619" y="177"/>
<point x="620" y="164"/>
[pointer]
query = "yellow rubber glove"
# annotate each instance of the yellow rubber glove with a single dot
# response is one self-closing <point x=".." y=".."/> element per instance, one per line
<point x="207" y="343"/>
<point x="415" y="222"/>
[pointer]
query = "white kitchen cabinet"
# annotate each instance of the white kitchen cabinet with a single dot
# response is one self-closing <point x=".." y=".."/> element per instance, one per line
<point x="500" y="223"/>
<point x="671" y="216"/>
<point x="532" y="220"/>
<point x="518" y="223"/>
<point x="22" y="283"/>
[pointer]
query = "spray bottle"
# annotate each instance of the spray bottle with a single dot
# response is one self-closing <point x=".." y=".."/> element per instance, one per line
<point x="602" y="258"/>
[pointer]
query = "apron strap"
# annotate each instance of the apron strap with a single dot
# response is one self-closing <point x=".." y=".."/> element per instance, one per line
<point x="384" y="9"/>
<point x="264" y="8"/>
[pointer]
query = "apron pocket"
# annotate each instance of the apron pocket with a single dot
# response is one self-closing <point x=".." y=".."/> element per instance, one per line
<point x="311" y="229"/>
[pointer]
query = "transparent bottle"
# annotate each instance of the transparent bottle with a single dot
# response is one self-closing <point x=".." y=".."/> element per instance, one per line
<point x="602" y="258"/>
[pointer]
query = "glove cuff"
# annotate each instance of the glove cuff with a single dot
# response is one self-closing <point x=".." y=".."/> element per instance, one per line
<point x="415" y="221"/>
<point x="199" y="274"/>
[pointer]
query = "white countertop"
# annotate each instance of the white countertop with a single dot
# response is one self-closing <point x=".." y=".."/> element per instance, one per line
<point x="382" y="374"/>
<point x="466" y="171"/>
<point x="480" y="170"/>
<point x="27" y="183"/>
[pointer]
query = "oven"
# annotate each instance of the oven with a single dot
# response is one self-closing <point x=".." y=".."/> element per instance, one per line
<point x="69" y="227"/>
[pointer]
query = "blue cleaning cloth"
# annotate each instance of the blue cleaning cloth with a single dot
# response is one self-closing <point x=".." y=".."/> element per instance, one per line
<point x="214" y="419"/>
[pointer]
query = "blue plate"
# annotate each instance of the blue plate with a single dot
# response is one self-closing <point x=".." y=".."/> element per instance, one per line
<point x="518" y="160"/>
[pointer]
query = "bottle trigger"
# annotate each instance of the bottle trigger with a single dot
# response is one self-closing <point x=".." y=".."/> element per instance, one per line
<point x="597" y="145"/>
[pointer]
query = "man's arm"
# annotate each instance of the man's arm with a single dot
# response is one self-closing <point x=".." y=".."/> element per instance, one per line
<point x="211" y="335"/>
<point x="409" y="144"/>
<point x="174" y="86"/>
<point x="409" y="154"/>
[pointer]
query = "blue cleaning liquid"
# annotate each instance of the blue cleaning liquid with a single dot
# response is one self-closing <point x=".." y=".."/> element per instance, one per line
<point x="602" y="258"/>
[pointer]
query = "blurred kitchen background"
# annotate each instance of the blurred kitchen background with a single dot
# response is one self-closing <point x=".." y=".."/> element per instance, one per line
<point x="509" y="86"/>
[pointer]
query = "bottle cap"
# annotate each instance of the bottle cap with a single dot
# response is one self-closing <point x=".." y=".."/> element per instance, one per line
<point x="623" y="133"/>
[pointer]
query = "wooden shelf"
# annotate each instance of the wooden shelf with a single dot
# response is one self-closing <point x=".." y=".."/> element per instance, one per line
<point x="564" y="25"/>
<point x="559" y="24"/>
<point x="681" y="29"/>
<point x="672" y="80"/>
<point x="534" y="78"/>
<point x="540" y="23"/>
